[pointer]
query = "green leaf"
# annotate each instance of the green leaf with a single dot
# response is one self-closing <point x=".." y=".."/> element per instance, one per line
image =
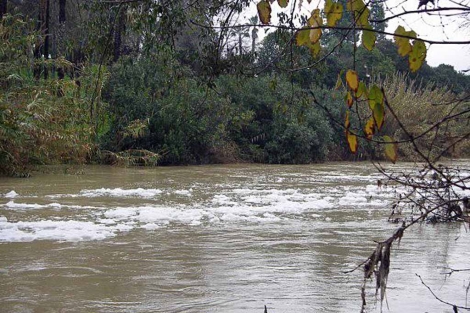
<point x="376" y="104"/>
<point x="314" y="48"/>
<point x="283" y="3"/>
<point x="273" y="84"/>
<point x="362" y="91"/>
<point x="264" y="12"/>
<point x="391" y="149"/>
<point x="352" y="141"/>
<point x="339" y="81"/>
<point x="368" y="38"/>
<point x="417" y="55"/>
<point x="360" y="11"/>
<point x="375" y="96"/>
<point x="379" y="114"/>
<point x="302" y="37"/>
<point x="404" y="46"/>
<point x="334" y="12"/>
<point x="352" y="80"/>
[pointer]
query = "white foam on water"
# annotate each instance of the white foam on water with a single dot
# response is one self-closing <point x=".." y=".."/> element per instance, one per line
<point x="236" y="218"/>
<point x="352" y="199"/>
<point x="379" y="203"/>
<point x="53" y="230"/>
<point x="324" y="203"/>
<point x="183" y="192"/>
<point x="55" y="205"/>
<point x="222" y="200"/>
<point x="158" y="215"/>
<point x="373" y="189"/>
<point x="228" y="206"/>
<point x="151" y="226"/>
<point x="126" y="227"/>
<point x="107" y="221"/>
<point x="29" y="206"/>
<point x="152" y="217"/>
<point x="24" y="206"/>
<point x="165" y="215"/>
<point x="119" y="192"/>
<point x="120" y="214"/>
<point x="11" y="194"/>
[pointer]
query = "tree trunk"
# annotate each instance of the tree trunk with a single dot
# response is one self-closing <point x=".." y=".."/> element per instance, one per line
<point x="38" y="44"/>
<point x="62" y="16"/>
<point x="47" y="36"/>
<point x="254" y="36"/>
<point x="3" y="8"/>
<point x="60" y="35"/>
<point x="118" y="30"/>
<point x="41" y="50"/>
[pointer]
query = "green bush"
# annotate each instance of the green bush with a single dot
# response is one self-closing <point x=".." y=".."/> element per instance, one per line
<point x="185" y="121"/>
<point x="42" y="121"/>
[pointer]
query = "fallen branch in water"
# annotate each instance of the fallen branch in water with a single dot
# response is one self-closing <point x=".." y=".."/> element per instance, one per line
<point x="131" y="157"/>
<point x="378" y="263"/>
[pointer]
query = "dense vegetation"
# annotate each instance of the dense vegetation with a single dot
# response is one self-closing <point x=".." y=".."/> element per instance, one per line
<point x="101" y="82"/>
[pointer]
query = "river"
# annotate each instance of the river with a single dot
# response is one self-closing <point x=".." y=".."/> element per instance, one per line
<point x="228" y="238"/>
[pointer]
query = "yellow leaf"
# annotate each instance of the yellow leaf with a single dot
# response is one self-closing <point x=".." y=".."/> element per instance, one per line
<point x="334" y="12"/>
<point x="369" y="129"/>
<point x="302" y="38"/>
<point x="315" y="35"/>
<point x="352" y="79"/>
<point x="264" y="11"/>
<point x="417" y="55"/>
<point x="315" y="21"/>
<point x="347" y="123"/>
<point x="403" y="43"/>
<point x="283" y="3"/>
<point x="349" y="99"/>
<point x="391" y="149"/>
<point x="352" y="141"/>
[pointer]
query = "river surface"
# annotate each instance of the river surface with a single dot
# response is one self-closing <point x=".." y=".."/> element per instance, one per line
<point x="216" y="239"/>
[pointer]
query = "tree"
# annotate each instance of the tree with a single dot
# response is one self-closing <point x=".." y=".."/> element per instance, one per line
<point x="433" y="198"/>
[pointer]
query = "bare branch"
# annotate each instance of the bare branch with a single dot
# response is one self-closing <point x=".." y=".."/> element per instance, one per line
<point x="462" y="9"/>
<point x="440" y="300"/>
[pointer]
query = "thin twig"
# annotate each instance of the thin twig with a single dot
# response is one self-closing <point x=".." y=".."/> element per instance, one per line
<point x="440" y="300"/>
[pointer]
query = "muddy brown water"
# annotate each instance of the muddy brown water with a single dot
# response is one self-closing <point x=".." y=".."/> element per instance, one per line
<point x="229" y="238"/>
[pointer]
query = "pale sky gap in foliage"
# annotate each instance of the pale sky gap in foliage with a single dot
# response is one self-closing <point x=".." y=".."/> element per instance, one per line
<point x="427" y="26"/>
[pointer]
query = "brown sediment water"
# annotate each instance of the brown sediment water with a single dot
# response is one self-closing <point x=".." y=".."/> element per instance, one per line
<point x="228" y="238"/>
